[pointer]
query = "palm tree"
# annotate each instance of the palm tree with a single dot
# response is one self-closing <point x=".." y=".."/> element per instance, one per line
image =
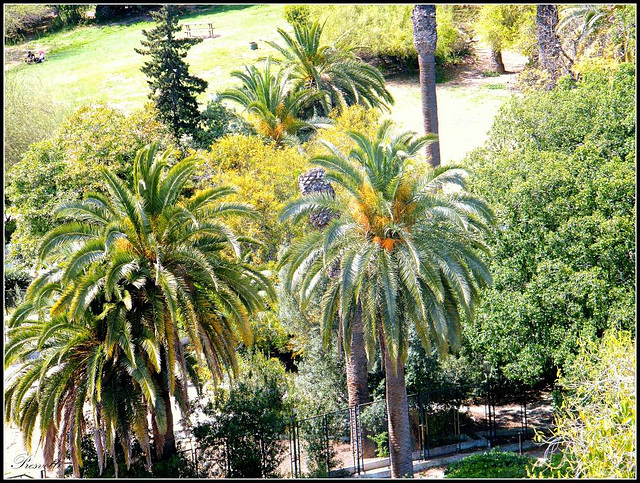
<point x="425" y="37"/>
<point x="407" y="241"/>
<point x="548" y="43"/>
<point x="133" y="276"/>
<point x="332" y="70"/>
<point x="275" y="106"/>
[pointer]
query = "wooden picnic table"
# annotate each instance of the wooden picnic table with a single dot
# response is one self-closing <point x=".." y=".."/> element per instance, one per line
<point x="191" y="28"/>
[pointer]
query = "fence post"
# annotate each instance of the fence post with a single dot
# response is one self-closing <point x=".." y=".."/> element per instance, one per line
<point x="520" y="441"/>
<point x="326" y="436"/>
<point x="357" y="430"/>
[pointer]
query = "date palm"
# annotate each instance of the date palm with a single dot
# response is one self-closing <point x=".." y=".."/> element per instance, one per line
<point x="408" y="244"/>
<point x="270" y="100"/>
<point x="132" y="276"/>
<point x="332" y="70"/>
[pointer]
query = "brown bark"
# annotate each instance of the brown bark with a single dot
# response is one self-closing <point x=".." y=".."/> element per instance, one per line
<point x="357" y="372"/>
<point x="398" y="418"/>
<point x="165" y="443"/>
<point x="496" y="62"/>
<point x="548" y="41"/>
<point x="425" y="38"/>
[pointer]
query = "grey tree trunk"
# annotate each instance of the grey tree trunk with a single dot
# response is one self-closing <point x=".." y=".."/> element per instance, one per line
<point x="425" y="38"/>
<point x="548" y="42"/>
<point x="398" y="418"/>
<point x="496" y="62"/>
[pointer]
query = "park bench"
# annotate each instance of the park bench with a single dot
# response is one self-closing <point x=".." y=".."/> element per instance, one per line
<point x="204" y="30"/>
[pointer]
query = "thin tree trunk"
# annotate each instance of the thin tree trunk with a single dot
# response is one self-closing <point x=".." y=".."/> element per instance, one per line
<point x="398" y="418"/>
<point x="425" y="38"/>
<point x="357" y="372"/>
<point x="496" y="62"/>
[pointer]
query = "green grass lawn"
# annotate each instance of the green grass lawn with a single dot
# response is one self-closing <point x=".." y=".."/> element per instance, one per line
<point x="98" y="63"/>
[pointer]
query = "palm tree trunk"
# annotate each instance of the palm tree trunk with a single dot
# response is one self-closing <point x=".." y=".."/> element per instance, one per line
<point x="165" y="443"/>
<point x="496" y="62"/>
<point x="425" y="38"/>
<point x="357" y="372"/>
<point x="398" y="418"/>
<point x="548" y="42"/>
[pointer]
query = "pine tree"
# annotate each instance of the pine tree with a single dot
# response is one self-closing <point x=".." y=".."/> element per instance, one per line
<point x="173" y="90"/>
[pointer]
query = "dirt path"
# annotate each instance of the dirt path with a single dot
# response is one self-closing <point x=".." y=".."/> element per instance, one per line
<point x="467" y="104"/>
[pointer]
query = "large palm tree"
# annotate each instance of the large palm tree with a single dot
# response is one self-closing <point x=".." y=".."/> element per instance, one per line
<point x="407" y="241"/>
<point x="425" y="38"/>
<point x="276" y="108"/>
<point x="144" y="292"/>
<point x="333" y="70"/>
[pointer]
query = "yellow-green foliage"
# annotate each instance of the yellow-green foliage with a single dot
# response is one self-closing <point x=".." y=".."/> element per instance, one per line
<point x="597" y="425"/>
<point x="353" y="118"/>
<point x="386" y="30"/>
<point x="507" y="26"/>
<point x="266" y="176"/>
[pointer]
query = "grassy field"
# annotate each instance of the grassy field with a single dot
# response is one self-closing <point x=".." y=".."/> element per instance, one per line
<point x="98" y="63"/>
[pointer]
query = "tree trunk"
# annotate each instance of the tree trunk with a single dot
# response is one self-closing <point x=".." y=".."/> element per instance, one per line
<point x="496" y="62"/>
<point x="165" y="444"/>
<point x="400" y="447"/>
<point x="425" y="38"/>
<point x="357" y="372"/>
<point x="548" y="42"/>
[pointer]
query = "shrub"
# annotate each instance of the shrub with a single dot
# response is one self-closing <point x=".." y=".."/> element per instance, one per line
<point x="64" y="168"/>
<point x="596" y="426"/>
<point x="297" y="14"/>
<point x="16" y="282"/>
<point x="246" y="422"/>
<point x="22" y="20"/>
<point x="494" y="464"/>
<point x="559" y="171"/>
<point x="266" y="177"/>
<point x="31" y="115"/>
<point x="387" y="31"/>
<point x="216" y="121"/>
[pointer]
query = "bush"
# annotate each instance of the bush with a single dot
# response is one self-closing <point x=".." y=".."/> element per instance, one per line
<point x="266" y="177"/>
<point x="64" y="168"/>
<point x="559" y="172"/>
<point x="297" y="14"/>
<point x="22" y="20"/>
<point x="31" y="115"/>
<point x="596" y="426"/>
<point x="494" y="464"/>
<point x="216" y="121"/>
<point x="16" y="282"/>
<point x="246" y="423"/>
<point x="387" y="30"/>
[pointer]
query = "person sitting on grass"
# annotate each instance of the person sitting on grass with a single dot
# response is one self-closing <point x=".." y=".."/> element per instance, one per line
<point x="30" y="57"/>
<point x="41" y="56"/>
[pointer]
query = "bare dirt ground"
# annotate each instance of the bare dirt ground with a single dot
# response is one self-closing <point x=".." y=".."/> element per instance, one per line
<point x="467" y="104"/>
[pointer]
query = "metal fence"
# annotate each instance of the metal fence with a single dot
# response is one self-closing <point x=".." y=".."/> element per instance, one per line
<point x="446" y="421"/>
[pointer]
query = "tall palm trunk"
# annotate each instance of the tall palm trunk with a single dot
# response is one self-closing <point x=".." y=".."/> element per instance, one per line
<point x="496" y="61"/>
<point x="357" y="372"/>
<point x="548" y="42"/>
<point x="424" y="38"/>
<point x="165" y="443"/>
<point x="398" y="417"/>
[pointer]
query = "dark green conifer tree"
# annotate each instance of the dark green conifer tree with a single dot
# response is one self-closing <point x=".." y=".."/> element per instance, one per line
<point x="173" y="90"/>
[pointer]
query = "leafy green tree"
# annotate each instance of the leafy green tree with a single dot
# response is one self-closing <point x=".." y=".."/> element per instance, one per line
<point x="246" y="422"/>
<point x="333" y="71"/>
<point x="66" y="167"/>
<point x="503" y="27"/>
<point x="559" y="170"/>
<point x="173" y="89"/>
<point x="276" y="108"/>
<point x="596" y="425"/>
<point x="134" y="273"/>
<point x="407" y="248"/>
